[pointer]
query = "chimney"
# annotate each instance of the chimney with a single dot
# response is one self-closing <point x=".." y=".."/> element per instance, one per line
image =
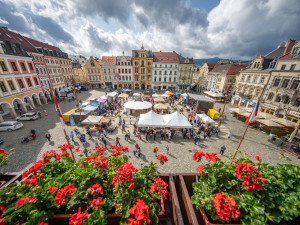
<point x="289" y="46"/>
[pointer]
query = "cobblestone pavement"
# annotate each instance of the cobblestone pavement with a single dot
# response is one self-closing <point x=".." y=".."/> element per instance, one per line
<point x="181" y="150"/>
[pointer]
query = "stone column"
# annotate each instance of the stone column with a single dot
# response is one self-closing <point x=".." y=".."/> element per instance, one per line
<point x="23" y="108"/>
<point x="32" y="104"/>
<point x="12" y="112"/>
<point x="38" y="101"/>
<point x="1" y="119"/>
<point x="44" y="99"/>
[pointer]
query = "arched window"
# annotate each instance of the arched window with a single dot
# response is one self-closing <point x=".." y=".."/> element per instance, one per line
<point x="271" y="96"/>
<point x="278" y="98"/>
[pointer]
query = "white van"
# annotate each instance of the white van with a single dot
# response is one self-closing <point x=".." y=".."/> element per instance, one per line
<point x="10" y="125"/>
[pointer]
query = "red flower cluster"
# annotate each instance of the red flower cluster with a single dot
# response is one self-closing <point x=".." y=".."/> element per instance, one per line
<point x="49" y="155"/>
<point x="250" y="175"/>
<point x="52" y="189"/>
<point x="34" y="169"/>
<point x="112" y="147"/>
<point x="42" y="223"/>
<point x="124" y="174"/>
<point x="162" y="159"/>
<point x="116" y="153"/>
<point x="200" y="169"/>
<point x="63" y="194"/>
<point x="33" y="181"/>
<point x="22" y="201"/>
<point x="160" y="187"/>
<point x="77" y="218"/>
<point x="95" y="189"/>
<point x="99" y="162"/>
<point x="140" y="211"/>
<point x="63" y="148"/>
<point x="96" y="202"/>
<point x="211" y="157"/>
<point x="3" y="152"/>
<point x="197" y="156"/>
<point x="258" y="158"/>
<point x="77" y="149"/>
<point x="100" y="149"/>
<point x="226" y="207"/>
<point x="2" y="208"/>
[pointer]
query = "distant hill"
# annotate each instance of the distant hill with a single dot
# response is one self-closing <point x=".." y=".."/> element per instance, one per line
<point x="215" y="60"/>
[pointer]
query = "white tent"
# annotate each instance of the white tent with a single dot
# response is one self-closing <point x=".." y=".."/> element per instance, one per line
<point x="90" y="108"/>
<point x="84" y="104"/>
<point x="165" y="96"/>
<point x="155" y="95"/>
<point x="151" y="119"/>
<point x="92" y="120"/>
<point x="176" y="120"/>
<point x="137" y="105"/>
<point x="104" y="97"/>
<point x="184" y="95"/>
<point x="205" y="118"/>
<point x="136" y="94"/>
<point x="112" y="94"/>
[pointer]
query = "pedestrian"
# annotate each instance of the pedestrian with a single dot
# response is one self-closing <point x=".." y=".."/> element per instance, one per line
<point x="195" y="139"/>
<point x="97" y="133"/>
<point x="205" y="135"/>
<point x="45" y="112"/>
<point x="155" y="150"/>
<point x="123" y="121"/>
<point x="104" y="142"/>
<point x="72" y="135"/>
<point x="139" y="152"/>
<point x="104" y="132"/>
<point x="118" y="141"/>
<point x="85" y="151"/>
<point x="154" y="135"/>
<point x="223" y="148"/>
<point x="139" y="135"/>
<point x="130" y="120"/>
<point x="126" y="136"/>
<point x="167" y="149"/>
<point x="89" y="133"/>
<point x="170" y="135"/>
<point x="123" y="128"/>
<point x="229" y="135"/>
<point x="48" y="137"/>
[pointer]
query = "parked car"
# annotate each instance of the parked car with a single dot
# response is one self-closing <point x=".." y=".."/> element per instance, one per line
<point x="10" y="125"/>
<point x="28" y="116"/>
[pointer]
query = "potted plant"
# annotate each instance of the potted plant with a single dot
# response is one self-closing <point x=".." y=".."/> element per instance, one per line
<point x="97" y="189"/>
<point x="246" y="192"/>
<point x="6" y="179"/>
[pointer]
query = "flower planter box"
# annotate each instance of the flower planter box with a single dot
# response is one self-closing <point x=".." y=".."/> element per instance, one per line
<point x="171" y="205"/>
<point x="8" y="179"/>
<point x="195" y="217"/>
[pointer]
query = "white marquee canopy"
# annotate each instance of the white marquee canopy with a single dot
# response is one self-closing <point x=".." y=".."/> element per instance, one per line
<point x="137" y="105"/>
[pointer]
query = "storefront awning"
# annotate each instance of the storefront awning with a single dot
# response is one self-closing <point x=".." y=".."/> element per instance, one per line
<point x="245" y="101"/>
<point x="238" y="99"/>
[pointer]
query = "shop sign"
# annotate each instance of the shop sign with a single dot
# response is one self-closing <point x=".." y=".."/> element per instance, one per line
<point x="269" y="106"/>
<point x="294" y="113"/>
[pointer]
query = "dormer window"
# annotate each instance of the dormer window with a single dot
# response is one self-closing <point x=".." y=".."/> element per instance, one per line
<point x="296" y="51"/>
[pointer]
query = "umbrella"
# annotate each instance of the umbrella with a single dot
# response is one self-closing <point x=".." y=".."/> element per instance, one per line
<point x="285" y="122"/>
<point x="161" y="106"/>
<point x="136" y="94"/>
<point x="160" y="99"/>
<point x="269" y="123"/>
<point x="123" y="96"/>
<point x="178" y="93"/>
<point x="169" y="93"/>
<point x="155" y="95"/>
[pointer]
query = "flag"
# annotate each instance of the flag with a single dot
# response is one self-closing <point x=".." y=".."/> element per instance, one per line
<point x="59" y="114"/>
<point x="254" y="112"/>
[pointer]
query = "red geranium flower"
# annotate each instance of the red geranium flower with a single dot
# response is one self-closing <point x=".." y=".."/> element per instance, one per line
<point x="77" y="218"/>
<point x="95" y="189"/>
<point x="22" y="201"/>
<point x="162" y="159"/>
<point x="112" y="147"/>
<point x="160" y="187"/>
<point x="200" y="169"/>
<point x="2" y="208"/>
<point x="96" y="202"/>
<point x="99" y="162"/>
<point x="77" y="149"/>
<point x="211" y="157"/>
<point x="140" y="211"/>
<point x="3" y="152"/>
<point x="197" y="156"/>
<point x="42" y="223"/>
<point x="226" y="207"/>
<point x="52" y="189"/>
<point x="116" y="153"/>
<point x="131" y="186"/>
<point x="63" y="194"/>
<point x="124" y="174"/>
<point x="257" y="157"/>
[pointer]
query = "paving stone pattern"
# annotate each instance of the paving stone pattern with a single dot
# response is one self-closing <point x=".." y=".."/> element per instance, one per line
<point x="181" y="150"/>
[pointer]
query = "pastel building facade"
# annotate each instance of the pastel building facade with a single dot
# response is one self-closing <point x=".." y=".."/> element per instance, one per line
<point x="93" y="73"/>
<point x="186" y="66"/>
<point x="124" y="72"/>
<point x="108" y="64"/>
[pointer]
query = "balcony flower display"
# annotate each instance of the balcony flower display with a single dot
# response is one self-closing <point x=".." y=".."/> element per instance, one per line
<point x="246" y="192"/>
<point x="86" y="190"/>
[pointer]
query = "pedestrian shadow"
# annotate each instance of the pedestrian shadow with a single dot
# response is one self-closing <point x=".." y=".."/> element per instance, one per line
<point x="76" y="143"/>
<point x="143" y="157"/>
<point x="51" y="143"/>
<point x="172" y="156"/>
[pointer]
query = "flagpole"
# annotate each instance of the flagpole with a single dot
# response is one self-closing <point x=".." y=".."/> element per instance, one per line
<point x="263" y="90"/>
<point x="55" y="100"/>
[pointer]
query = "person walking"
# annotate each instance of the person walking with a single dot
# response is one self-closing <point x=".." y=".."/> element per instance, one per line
<point x="195" y="139"/>
<point x="45" y="112"/>
<point x="118" y="141"/>
<point x="123" y="128"/>
<point x="126" y="136"/>
<point x="139" y="135"/>
<point x="89" y="133"/>
<point x="229" y="135"/>
<point x="167" y="149"/>
<point x="155" y="150"/>
<point x="223" y="148"/>
<point x="154" y="135"/>
<point x="85" y="151"/>
<point x="48" y="137"/>
<point x="104" y="142"/>
<point x="97" y="133"/>
<point x="72" y="135"/>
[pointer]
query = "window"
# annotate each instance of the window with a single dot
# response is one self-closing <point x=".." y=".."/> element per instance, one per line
<point x="257" y="91"/>
<point x="3" y="67"/>
<point x="287" y="100"/>
<point x="2" y="86"/>
<point x="283" y="67"/>
<point x="243" y="78"/>
<point x="154" y="79"/>
<point x="13" y="65"/>
<point x="23" y="66"/>
<point x="285" y="83"/>
<point x="165" y="72"/>
<point x="29" y="82"/>
<point x="278" y="98"/>
<point x="11" y="85"/>
<point x="276" y="82"/>
<point x="175" y="72"/>
<point x="297" y="102"/>
<point x="271" y="96"/>
<point x="262" y="80"/>
<point x="35" y="81"/>
<point x="293" y="66"/>
<point x="296" y="51"/>
<point x="248" y="78"/>
<point x="129" y="70"/>
<point x="20" y="83"/>
<point x="295" y="84"/>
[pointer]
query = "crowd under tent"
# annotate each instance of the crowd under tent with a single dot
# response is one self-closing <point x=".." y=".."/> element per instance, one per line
<point x="137" y="107"/>
<point x="92" y="120"/>
<point x="202" y="103"/>
<point x="176" y="120"/>
<point x="206" y="119"/>
<point x="151" y="119"/>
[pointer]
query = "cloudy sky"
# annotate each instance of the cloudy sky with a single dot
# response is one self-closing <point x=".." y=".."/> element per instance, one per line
<point x="238" y="29"/>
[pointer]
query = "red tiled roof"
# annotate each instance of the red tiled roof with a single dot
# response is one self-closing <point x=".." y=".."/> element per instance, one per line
<point x="109" y="60"/>
<point x="7" y="35"/>
<point x="211" y="66"/>
<point x="235" y="68"/>
<point x="170" y="57"/>
<point x="287" y="56"/>
<point x="99" y="61"/>
<point x="39" y="44"/>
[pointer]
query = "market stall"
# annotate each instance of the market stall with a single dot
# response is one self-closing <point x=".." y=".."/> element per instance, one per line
<point x="206" y="119"/>
<point x="92" y="120"/>
<point x="159" y="99"/>
<point x="214" y="114"/>
<point x="155" y="95"/>
<point x="137" y="107"/>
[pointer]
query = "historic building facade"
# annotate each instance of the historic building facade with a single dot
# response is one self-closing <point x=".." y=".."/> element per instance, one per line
<point x="282" y="96"/>
<point x="142" y="61"/>
<point x="185" y="73"/>
<point x="108" y="64"/>
<point x="200" y="76"/>
<point x="92" y="71"/>
<point x="165" y="71"/>
<point x="124" y="72"/>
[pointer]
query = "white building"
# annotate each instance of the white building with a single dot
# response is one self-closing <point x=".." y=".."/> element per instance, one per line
<point x="124" y="71"/>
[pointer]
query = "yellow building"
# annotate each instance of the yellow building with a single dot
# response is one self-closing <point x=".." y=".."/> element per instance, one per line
<point x="142" y="62"/>
<point x="185" y="73"/>
<point x="199" y="76"/>
<point x="92" y="73"/>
